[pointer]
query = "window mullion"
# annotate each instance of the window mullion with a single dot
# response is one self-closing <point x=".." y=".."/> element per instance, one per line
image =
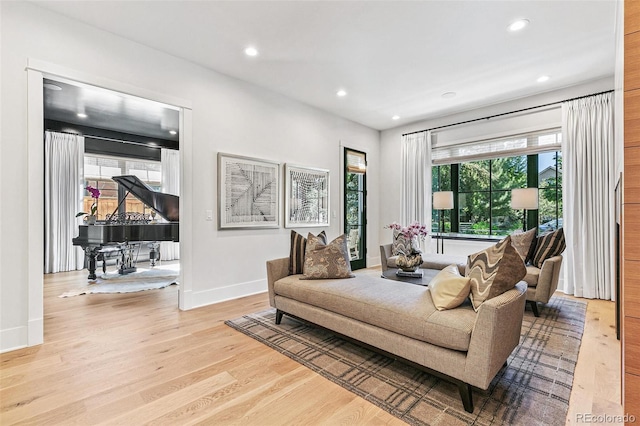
<point x="455" y="216"/>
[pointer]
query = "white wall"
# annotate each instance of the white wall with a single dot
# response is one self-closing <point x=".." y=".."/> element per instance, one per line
<point x="390" y="139"/>
<point x="228" y="116"/>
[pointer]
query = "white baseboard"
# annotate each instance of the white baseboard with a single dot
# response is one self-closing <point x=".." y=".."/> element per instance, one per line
<point x="196" y="299"/>
<point x="373" y="261"/>
<point x="13" y="338"/>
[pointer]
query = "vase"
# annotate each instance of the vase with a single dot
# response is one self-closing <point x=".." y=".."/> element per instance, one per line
<point x="409" y="262"/>
<point x="91" y="220"/>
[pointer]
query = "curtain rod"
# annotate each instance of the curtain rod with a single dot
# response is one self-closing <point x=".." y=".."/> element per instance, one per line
<point x="107" y="139"/>
<point x="506" y="113"/>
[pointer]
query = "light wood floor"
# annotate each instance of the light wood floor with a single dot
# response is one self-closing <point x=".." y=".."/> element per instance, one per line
<point x="135" y="358"/>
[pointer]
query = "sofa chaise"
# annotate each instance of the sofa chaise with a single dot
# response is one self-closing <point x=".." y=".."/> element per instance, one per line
<point x="460" y="345"/>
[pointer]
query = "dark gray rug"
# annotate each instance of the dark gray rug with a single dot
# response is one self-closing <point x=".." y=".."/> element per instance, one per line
<point x="534" y="387"/>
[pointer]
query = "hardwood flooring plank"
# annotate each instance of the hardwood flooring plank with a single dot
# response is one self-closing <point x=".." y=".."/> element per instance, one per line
<point x="136" y="359"/>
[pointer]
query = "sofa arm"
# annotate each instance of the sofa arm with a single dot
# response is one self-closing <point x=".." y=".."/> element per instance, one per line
<point x="385" y="253"/>
<point x="276" y="269"/>
<point x="495" y="334"/>
<point x="548" y="279"/>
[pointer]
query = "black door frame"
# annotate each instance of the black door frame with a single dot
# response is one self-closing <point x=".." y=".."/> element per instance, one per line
<point x="362" y="261"/>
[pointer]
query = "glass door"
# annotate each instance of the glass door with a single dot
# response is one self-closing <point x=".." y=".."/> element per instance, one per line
<point x="355" y="202"/>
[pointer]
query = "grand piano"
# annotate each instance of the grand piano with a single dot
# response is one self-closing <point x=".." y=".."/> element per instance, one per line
<point x="122" y="233"/>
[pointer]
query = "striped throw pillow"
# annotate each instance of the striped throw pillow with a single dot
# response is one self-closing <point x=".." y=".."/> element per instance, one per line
<point x="298" y="248"/>
<point x="549" y="245"/>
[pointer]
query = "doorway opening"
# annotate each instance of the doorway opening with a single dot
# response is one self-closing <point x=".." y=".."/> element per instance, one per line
<point x="355" y="202"/>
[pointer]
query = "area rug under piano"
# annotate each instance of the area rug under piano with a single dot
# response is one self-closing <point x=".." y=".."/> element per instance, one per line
<point x="141" y="280"/>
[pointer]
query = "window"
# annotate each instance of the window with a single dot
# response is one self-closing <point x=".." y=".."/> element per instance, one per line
<point x="441" y="181"/>
<point x="98" y="171"/>
<point x="482" y="193"/>
<point x="550" y="192"/>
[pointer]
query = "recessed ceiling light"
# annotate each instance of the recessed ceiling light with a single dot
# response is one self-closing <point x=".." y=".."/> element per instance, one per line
<point x="51" y="86"/>
<point x="173" y="132"/>
<point x="542" y="78"/>
<point x="341" y="93"/>
<point x="449" y="95"/>
<point x="82" y="115"/>
<point x="518" y="25"/>
<point x="251" y="51"/>
<point x="395" y="117"/>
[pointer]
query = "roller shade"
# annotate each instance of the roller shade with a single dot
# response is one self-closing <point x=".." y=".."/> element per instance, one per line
<point x="521" y="144"/>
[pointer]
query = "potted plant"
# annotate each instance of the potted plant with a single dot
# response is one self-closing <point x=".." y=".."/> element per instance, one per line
<point x="91" y="217"/>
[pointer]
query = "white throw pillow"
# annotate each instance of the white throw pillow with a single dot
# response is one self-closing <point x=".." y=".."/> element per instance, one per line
<point x="449" y="289"/>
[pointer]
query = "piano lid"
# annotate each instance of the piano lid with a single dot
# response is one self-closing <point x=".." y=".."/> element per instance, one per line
<point x="167" y="205"/>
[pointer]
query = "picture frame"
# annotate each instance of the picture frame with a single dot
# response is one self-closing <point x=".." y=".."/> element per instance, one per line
<point x="306" y="197"/>
<point x="248" y="192"/>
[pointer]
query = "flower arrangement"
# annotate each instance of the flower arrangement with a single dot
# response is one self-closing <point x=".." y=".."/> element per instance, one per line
<point x="409" y="254"/>
<point x="95" y="194"/>
<point x="415" y="230"/>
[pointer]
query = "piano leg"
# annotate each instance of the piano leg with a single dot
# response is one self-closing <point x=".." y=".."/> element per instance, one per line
<point x="91" y="255"/>
<point x="154" y="253"/>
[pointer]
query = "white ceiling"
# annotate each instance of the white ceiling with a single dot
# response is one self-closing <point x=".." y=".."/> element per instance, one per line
<point x="392" y="57"/>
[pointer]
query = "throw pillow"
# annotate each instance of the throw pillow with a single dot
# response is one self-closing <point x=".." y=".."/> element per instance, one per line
<point x="522" y="241"/>
<point x="298" y="248"/>
<point x="448" y="288"/>
<point x="493" y="271"/>
<point x="549" y="245"/>
<point x="324" y="261"/>
<point x="402" y="244"/>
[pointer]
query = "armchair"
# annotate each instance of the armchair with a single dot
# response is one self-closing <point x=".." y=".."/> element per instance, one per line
<point x="542" y="282"/>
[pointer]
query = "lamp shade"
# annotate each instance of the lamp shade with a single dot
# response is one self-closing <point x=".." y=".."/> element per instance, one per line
<point x="443" y="200"/>
<point x="524" y="198"/>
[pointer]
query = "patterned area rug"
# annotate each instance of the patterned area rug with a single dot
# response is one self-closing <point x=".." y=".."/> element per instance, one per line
<point x="143" y="279"/>
<point x="534" y="387"/>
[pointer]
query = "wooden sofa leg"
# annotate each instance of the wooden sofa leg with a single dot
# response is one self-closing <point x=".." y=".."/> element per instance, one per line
<point x="279" y="314"/>
<point x="465" y="395"/>
<point x="534" y="307"/>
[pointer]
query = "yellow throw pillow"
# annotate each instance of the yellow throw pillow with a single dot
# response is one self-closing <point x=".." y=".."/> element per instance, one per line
<point x="448" y="288"/>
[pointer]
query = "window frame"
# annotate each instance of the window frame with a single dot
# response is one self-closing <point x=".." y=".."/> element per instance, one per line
<point x="532" y="173"/>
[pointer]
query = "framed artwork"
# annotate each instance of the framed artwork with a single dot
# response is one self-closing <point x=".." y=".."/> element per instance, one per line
<point x="306" y="196"/>
<point x="248" y="192"/>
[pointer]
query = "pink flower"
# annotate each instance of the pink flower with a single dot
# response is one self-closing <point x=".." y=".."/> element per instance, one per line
<point x="415" y="230"/>
<point x="95" y="192"/>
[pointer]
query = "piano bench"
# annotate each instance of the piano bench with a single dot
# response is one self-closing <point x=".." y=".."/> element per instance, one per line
<point x="105" y="253"/>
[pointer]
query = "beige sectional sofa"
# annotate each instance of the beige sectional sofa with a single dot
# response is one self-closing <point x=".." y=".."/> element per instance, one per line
<point x="465" y="347"/>
<point x="542" y="283"/>
<point x="429" y="261"/>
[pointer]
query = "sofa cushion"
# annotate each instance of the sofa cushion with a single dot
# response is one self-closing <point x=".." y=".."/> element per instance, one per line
<point x="441" y="261"/>
<point x="533" y="274"/>
<point x="548" y="245"/>
<point x="493" y="271"/>
<point x="448" y="288"/>
<point x="402" y="308"/>
<point x="323" y="261"/>
<point x="522" y="241"/>
<point x="297" y="251"/>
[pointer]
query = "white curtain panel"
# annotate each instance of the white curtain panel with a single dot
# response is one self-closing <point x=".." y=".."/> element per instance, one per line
<point x="170" y="167"/>
<point x="588" y="194"/>
<point x="415" y="199"/>
<point x="63" y="194"/>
